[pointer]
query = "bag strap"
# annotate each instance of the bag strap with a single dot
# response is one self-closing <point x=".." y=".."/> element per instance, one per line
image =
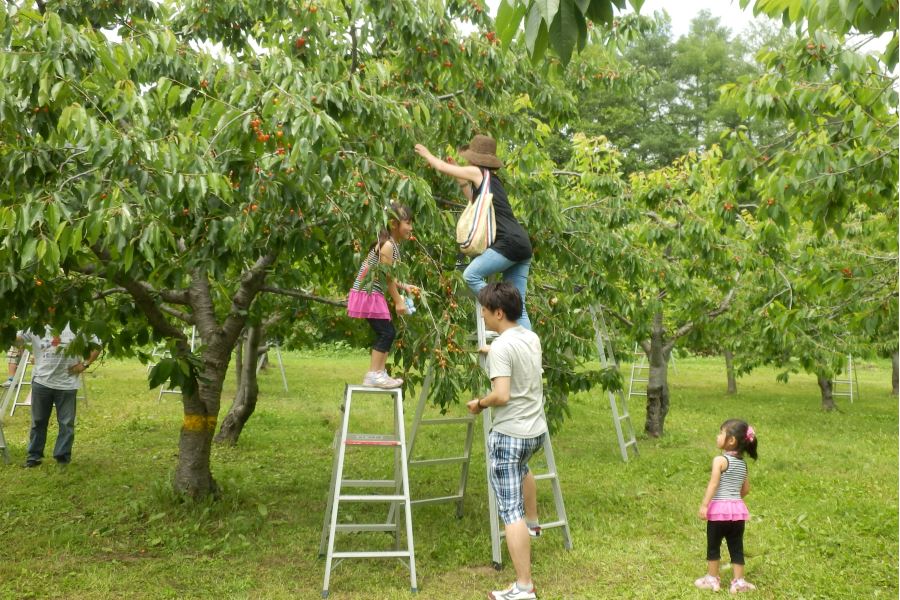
<point x="485" y="184"/>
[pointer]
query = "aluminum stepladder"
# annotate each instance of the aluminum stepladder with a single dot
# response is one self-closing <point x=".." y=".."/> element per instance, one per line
<point x="21" y="379"/>
<point x="621" y="418"/>
<point x="552" y="475"/>
<point x="262" y="359"/>
<point x="399" y="484"/>
<point x="463" y="460"/>
<point x="640" y="374"/>
<point x="850" y="380"/>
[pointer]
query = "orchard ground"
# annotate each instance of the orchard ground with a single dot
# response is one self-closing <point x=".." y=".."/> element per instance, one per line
<point x="824" y="498"/>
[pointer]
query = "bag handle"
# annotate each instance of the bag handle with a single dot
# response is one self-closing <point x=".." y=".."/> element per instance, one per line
<point x="485" y="185"/>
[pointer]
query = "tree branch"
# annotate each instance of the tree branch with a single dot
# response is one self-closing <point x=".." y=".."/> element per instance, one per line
<point x="450" y="95"/>
<point x="655" y="217"/>
<point x="251" y="282"/>
<point x="354" y="53"/>
<point x="618" y="316"/>
<point x="302" y="295"/>
<point x="689" y="326"/>
<point x="178" y="314"/>
<point x="201" y="301"/>
<point x="110" y="292"/>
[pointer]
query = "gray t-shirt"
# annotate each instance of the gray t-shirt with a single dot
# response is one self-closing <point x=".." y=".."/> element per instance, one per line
<point x="517" y="354"/>
<point x="51" y="365"/>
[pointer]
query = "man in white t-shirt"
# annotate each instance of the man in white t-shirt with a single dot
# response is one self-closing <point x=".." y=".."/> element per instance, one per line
<point x="519" y="426"/>
<point x="54" y="382"/>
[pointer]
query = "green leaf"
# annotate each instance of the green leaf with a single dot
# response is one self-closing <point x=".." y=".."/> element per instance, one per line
<point x="160" y="372"/>
<point x="532" y="27"/>
<point x="548" y="9"/>
<point x="28" y="251"/>
<point x="601" y="11"/>
<point x="874" y="6"/>
<point x="507" y="32"/>
<point x="636" y="5"/>
<point x="564" y="31"/>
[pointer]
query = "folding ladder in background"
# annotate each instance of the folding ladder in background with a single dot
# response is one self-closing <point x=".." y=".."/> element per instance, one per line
<point x="552" y="475"/>
<point x="21" y="379"/>
<point x="262" y="359"/>
<point x="399" y="485"/>
<point x="640" y="374"/>
<point x="621" y="417"/>
<point x="3" y="446"/>
<point x="163" y="389"/>
<point x="462" y="460"/>
<point x="850" y="381"/>
<point x="82" y="394"/>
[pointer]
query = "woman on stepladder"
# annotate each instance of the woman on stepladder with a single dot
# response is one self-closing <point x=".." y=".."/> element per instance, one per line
<point x="510" y="254"/>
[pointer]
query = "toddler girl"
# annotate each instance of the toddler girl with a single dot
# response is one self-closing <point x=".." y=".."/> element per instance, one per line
<point x="723" y="504"/>
<point x="372" y="305"/>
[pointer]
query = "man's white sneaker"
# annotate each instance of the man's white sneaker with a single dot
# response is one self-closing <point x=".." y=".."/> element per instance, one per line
<point x="513" y="593"/>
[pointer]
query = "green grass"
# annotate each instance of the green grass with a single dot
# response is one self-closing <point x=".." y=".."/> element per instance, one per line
<point x="824" y="498"/>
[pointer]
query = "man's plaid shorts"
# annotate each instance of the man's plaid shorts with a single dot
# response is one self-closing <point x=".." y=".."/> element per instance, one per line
<point x="509" y="466"/>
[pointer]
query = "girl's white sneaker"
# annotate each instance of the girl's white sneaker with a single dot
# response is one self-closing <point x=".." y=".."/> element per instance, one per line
<point x="381" y="379"/>
<point x="708" y="582"/>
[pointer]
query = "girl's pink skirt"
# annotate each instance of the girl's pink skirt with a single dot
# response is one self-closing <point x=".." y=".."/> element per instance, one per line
<point x="727" y="510"/>
<point x="363" y="305"/>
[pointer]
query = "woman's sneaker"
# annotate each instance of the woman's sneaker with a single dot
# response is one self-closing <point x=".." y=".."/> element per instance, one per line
<point x="513" y="593"/>
<point x="708" y="582"/>
<point x="741" y="585"/>
<point x="381" y="379"/>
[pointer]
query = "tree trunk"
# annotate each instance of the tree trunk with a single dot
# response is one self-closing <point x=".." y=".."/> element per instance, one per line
<point x="239" y="362"/>
<point x="826" y="388"/>
<point x="658" y="385"/>
<point x="729" y="370"/>
<point x="895" y="372"/>
<point x="247" y="393"/>
<point x="193" y="477"/>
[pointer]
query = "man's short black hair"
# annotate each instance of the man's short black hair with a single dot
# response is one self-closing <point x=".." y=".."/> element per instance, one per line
<point x="502" y="295"/>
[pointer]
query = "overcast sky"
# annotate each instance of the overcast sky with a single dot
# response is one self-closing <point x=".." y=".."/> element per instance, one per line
<point x="682" y="11"/>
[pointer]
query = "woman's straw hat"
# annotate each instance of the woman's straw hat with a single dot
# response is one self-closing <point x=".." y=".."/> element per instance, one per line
<point x="481" y="151"/>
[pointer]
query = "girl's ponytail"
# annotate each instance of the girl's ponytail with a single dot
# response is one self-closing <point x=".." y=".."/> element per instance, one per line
<point x="744" y="434"/>
<point x="396" y="212"/>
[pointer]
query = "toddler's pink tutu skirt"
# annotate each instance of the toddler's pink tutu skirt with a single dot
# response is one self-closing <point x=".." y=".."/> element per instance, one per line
<point x="363" y="305"/>
<point x="727" y="510"/>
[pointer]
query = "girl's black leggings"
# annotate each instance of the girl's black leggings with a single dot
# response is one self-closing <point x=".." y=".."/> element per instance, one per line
<point x="384" y="334"/>
<point x="733" y="532"/>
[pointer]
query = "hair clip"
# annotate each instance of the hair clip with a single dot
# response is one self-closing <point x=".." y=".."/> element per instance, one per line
<point x="751" y="435"/>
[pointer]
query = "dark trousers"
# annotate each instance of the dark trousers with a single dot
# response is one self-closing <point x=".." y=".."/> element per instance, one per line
<point x="732" y="532"/>
<point x="43" y="399"/>
<point x="384" y="334"/>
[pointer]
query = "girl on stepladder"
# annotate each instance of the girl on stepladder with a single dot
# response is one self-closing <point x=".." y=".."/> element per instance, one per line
<point x="723" y="505"/>
<point x="372" y="305"/>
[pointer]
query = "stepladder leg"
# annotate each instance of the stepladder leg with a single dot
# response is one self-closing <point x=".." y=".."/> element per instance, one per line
<point x="402" y="463"/>
<point x="558" y="502"/>
<point x="496" y="555"/>
<point x="336" y="492"/>
<point x="330" y="501"/>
